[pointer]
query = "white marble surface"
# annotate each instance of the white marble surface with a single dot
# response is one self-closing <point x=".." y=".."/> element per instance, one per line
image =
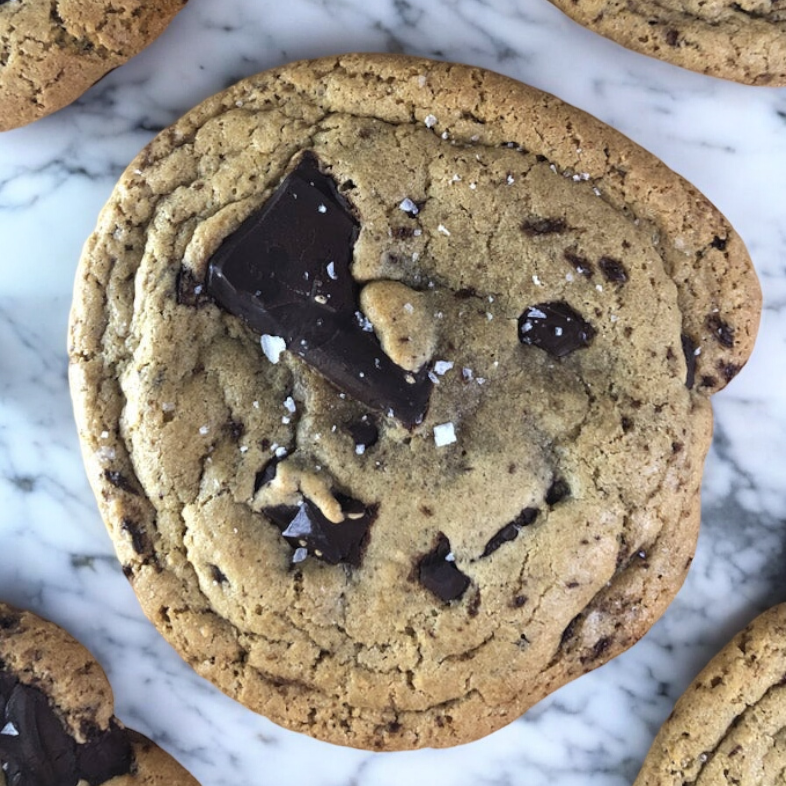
<point x="55" y="557"/>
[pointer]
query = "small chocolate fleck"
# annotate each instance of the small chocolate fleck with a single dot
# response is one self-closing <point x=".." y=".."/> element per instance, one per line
<point x="581" y="264"/>
<point x="728" y="370"/>
<point x="120" y="481"/>
<point x="534" y="225"/>
<point x="672" y="37"/>
<point x="218" y="575"/>
<point x="304" y="526"/>
<point x="555" y="328"/>
<point x="719" y="243"/>
<point x="599" y="648"/>
<point x="721" y="331"/>
<point x="689" y="350"/>
<point x="558" y="491"/>
<point x="613" y="270"/>
<point x="139" y="541"/>
<point x="439" y="574"/>
<point x="286" y="273"/>
<point x="511" y="530"/>
<point x="190" y="291"/>
<point x="519" y="601"/>
<point x="465" y="293"/>
<point x="570" y="630"/>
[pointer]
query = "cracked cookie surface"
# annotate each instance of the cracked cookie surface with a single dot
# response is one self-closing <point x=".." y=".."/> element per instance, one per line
<point x="57" y="715"/>
<point x="571" y="304"/>
<point x="729" y="727"/>
<point x="743" y="41"/>
<point x="52" y="51"/>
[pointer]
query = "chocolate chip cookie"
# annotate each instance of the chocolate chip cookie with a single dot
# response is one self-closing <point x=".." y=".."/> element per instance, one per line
<point x="743" y="41"/>
<point x="57" y="723"/>
<point x="52" y="52"/>
<point x="728" y="727"/>
<point x="392" y="379"/>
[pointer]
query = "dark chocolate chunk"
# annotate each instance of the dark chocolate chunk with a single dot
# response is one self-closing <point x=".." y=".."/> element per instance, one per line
<point x="438" y="573"/>
<point x="613" y="270"/>
<point x="36" y="750"/>
<point x="558" y="491"/>
<point x="364" y="432"/>
<point x="689" y="350"/>
<point x="719" y="243"/>
<point x="555" y="328"/>
<point x="534" y="225"/>
<point x="286" y="272"/>
<point x="721" y="331"/>
<point x="305" y="527"/>
<point x="672" y="36"/>
<point x="511" y="530"/>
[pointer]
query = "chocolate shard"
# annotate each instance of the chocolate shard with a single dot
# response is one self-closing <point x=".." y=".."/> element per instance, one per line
<point x="555" y="328"/>
<point x="689" y="350"/>
<point x="286" y="273"/>
<point x="511" y="530"/>
<point x="36" y="749"/>
<point x="305" y="527"/>
<point x="438" y="573"/>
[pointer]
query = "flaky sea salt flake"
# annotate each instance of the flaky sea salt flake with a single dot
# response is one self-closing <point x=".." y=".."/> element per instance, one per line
<point x="272" y="347"/>
<point x="444" y="434"/>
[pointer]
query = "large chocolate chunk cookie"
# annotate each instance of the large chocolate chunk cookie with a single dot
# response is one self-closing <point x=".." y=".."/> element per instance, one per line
<point x="51" y="52"/>
<point x="392" y="379"/>
<point x="57" y="723"/>
<point x="743" y="41"/>
<point x="728" y="726"/>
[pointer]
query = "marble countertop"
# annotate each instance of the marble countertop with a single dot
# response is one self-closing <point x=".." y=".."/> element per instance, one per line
<point x="55" y="557"/>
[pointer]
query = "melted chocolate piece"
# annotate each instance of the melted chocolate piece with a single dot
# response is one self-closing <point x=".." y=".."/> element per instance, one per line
<point x="304" y="527"/>
<point x="556" y="328"/>
<point x="440" y="575"/>
<point x="511" y="530"/>
<point x="286" y="272"/>
<point x="689" y="350"/>
<point x="364" y="432"/>
<point x="36" y="750"/>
